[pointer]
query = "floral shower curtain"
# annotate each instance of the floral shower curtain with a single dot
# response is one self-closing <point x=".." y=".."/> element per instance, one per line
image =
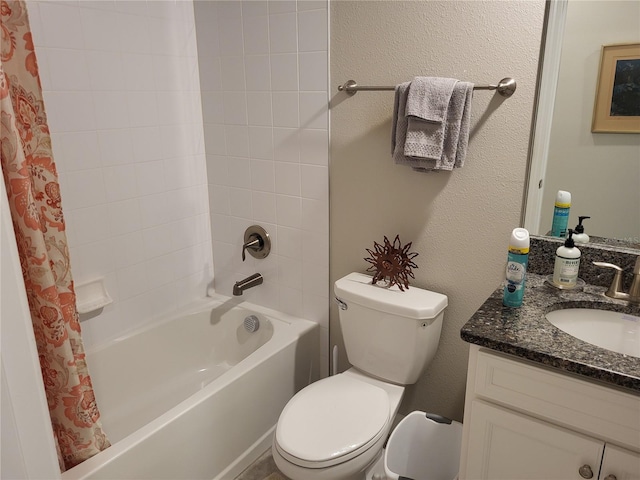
<point x="34" y="198"/>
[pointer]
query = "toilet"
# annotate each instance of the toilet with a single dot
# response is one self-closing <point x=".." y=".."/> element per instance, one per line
<point x="335" y="428"/>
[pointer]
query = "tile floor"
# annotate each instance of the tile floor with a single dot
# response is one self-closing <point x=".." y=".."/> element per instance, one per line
<point x="264" y="468"/>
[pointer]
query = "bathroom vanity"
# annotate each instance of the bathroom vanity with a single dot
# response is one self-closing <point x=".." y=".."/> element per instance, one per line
<point x="542" y="404"/>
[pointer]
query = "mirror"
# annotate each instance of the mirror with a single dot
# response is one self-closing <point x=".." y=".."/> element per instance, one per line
<point x="600" y="170"/>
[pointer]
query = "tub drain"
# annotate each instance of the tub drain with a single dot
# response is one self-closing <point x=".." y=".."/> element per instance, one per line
<point x="251" y="323"/>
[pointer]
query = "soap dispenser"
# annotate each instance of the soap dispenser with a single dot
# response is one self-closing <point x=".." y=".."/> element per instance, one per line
<point x="567" y="264"/>
<point x="579" y="236"/>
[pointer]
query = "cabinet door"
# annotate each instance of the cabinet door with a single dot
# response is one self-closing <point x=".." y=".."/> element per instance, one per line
<point x="620" y="464"/>
<point x="505" y="445"/>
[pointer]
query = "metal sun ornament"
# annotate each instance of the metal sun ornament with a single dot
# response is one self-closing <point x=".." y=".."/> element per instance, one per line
<point x="392" y="262"/>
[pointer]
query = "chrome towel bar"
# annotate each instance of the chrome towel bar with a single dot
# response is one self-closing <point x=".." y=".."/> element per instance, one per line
<point x="505" y="87"/>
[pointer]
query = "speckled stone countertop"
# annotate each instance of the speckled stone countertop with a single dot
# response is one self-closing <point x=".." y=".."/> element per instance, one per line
<point x="524" y="332"/>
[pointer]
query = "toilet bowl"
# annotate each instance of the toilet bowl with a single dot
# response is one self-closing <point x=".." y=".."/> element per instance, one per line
<point x="335" y="429"/>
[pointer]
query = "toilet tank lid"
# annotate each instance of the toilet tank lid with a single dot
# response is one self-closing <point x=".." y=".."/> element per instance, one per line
<point x="414" y="302"/>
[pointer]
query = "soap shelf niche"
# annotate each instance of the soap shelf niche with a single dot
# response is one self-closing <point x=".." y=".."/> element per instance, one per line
<point x="92" y="296"/>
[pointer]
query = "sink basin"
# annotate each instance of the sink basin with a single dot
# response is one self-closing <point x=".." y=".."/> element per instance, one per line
<point x="619" y="332"/>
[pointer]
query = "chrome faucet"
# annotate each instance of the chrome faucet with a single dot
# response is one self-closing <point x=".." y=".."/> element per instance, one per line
<point x="615" y="289"/>
<point x="247" y="283"/>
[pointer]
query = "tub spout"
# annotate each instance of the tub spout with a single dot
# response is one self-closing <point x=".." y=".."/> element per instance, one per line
<point x="249" y="282"/>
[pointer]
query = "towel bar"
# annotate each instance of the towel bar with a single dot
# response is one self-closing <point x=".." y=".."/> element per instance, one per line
<point x="505" y="87"/>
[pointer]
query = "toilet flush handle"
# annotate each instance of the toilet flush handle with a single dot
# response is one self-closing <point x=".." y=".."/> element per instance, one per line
<point x="341" y="304"/>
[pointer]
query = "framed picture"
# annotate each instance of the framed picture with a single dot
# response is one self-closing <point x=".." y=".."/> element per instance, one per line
<point x="617" y="105"/>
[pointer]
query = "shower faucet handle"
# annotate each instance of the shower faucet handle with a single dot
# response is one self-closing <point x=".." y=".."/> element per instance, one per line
<point x="257" y="242"/>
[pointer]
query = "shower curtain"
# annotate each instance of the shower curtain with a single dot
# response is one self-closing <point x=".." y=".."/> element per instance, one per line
<point x="34" y="198"/>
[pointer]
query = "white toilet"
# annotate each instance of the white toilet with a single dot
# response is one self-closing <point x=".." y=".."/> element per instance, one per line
<point x="335" y="428"/>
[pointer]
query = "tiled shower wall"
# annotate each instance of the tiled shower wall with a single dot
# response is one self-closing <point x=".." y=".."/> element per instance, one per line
<point x="263" y="78"/>
<point x="121" y="88"/>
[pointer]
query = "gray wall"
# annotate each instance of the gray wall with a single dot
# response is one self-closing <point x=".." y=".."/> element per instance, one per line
<point x="459" y="222"/>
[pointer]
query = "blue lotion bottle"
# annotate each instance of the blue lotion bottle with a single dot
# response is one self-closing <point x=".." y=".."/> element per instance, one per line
<point x="517" y="260"/>
<point x="561" y="214"/>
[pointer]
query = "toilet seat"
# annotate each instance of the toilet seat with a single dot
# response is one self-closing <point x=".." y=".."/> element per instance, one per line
<point x="332" y="421"/>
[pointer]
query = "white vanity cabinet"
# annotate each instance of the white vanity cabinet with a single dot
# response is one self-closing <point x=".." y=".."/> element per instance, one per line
<point x="522" y="421"/>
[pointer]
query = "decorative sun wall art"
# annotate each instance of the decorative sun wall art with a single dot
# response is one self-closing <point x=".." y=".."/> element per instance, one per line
<point x="392" y="263"/>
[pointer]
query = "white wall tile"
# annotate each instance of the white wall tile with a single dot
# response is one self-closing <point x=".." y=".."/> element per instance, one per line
<point x="139" y="70"/>
<point x="237" y="140"/>
<point x="116" y="147"/>
<point x="284" y="72"/>
<point x="239" y="172"/>
<point x="313" y="31"/>
<point x="281" y="6"/>
<point x="314" y="147"/>
<point x="283" y="33"/>
<point x="150" y="177"/>
<point x="110" y="110"/>
<point x="262" y="175"/>
<point x="120" y="182"/>
<point x="240" y="202"/>
<point x="85" y="188"/>
<point x="68" y="69"/>
<point x="258" y="72"/>
<point x="105" y="70"/>
<point x="124" y="216"/>
<point x="133" y="30"/>
<point x="235" y="108"/>
<point x="289" y="211"/>
<point x="259" y="108"/>
<point x="80" y="150"/>
<point x="132" y="281"/>
<point x="314" y="182"/>
<point x="256" y="34"/>
<point x="232" y="73"/>
<point x="313" y="71"/>
<point x="146" y="143"/>
<point x="53" y="15"/>
<point x="287" y="178"/>
<point x="285" y="109"/>
<point x="97" y="27"/>
<point x="123" y="105"/>
<point x="286" y="145"/>
<point x="91" y="224"/>
<point x="261" y="142"/>
<point x="69" y="111"/>
<point x="289" y="242"/>
<point x="230" y="32"/>
<point x="264" y="206"/>
<point x="314" y="110"/>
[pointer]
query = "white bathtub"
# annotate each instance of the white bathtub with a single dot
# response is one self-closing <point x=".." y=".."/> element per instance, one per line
<point x="197" y="396"/>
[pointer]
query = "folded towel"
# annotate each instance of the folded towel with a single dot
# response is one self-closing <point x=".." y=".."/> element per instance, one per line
<point x="399" y="125"/>
<point x="456" y="137"/>
<point x="431" y="145"/>
<point x="465" y="123"/>
<point x="427" y="106"/>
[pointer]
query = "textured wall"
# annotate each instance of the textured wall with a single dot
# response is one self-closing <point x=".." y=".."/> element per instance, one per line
<point x="459" y="222"/>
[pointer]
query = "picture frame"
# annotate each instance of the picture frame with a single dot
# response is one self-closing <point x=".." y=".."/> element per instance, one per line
<point x="617" y="102"/>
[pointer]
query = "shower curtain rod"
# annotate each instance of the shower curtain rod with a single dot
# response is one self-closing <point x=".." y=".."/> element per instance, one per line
<point x="505" y="87"/>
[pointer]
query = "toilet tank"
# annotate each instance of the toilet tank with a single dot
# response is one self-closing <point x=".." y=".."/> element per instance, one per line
<point x="388" y="333"/>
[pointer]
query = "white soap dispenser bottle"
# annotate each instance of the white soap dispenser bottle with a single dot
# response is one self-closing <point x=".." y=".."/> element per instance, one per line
<point x="579" y="236"/>
<point x="567" y="264"/>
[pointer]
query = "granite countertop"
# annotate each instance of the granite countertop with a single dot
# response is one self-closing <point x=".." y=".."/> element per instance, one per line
<point x="524" y="332"/>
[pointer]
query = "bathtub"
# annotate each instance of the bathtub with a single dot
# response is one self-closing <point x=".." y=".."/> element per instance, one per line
<point x="197" y="396"/>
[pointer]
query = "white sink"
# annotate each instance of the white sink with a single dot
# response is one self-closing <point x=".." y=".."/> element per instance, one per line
<point x="615" y="331"/>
